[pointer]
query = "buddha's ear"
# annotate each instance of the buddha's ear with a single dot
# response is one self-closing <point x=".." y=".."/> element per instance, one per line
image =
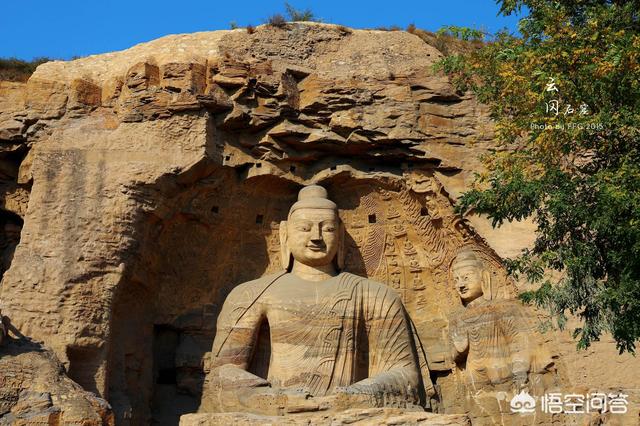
<point x="285" y="253"/>
<point x="341" y="245"/>
<point x="487" y="289"/>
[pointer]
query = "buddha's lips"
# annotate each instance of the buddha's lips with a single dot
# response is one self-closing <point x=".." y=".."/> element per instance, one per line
<point x="316" y="248"/>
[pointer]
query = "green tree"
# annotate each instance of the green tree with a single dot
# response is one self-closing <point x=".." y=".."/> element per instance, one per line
<point x="576" y="171"/>
<point x="462" y="33"/>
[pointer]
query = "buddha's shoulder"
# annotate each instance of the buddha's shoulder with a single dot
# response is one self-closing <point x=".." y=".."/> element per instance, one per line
<point x="249" y="290"/>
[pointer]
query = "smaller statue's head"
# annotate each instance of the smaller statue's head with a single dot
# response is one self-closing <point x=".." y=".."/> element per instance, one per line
<point x="470" y="277"/>
<point x="313" y="232"/>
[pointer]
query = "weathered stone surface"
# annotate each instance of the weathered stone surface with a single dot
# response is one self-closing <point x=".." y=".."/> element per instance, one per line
<point x="372" y="416"/>
<point x="12" y="125"/>
<point x="35" y="390"/>
<point x="144" y="185"/>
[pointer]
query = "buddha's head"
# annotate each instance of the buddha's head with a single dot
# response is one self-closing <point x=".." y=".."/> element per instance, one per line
<point x="313" y="232"/>
<point x="470" y="277"/>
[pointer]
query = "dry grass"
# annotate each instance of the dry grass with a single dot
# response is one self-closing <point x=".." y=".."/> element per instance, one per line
<point x="12" y="69"/>
<point x="391" y="28"/>
<point x="446" y="44"/>
<point x="277" y="21"/>
<point x="344" y="30"/>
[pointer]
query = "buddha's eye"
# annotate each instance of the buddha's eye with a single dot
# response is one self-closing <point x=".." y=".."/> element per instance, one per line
<point x="328" y="229"/>
<point x="302" y="226"/>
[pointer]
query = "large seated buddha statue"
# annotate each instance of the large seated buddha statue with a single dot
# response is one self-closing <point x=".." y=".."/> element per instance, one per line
<point x="337" y="340"/>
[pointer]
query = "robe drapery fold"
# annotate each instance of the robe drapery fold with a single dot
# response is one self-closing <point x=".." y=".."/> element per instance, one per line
<point x="344" y="331"/>
<point x="500" y="341"/>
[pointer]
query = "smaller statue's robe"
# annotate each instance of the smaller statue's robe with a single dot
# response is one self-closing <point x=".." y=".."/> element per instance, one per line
<point x="343" y="331"/>
<point x="499" y="341"/>
<point x="503" y="354"/>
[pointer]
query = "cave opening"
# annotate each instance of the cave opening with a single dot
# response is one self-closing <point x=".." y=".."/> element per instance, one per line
<point x="10" y="229"/>
<point x="169" y="401"/>
<point x="84" y="364"/>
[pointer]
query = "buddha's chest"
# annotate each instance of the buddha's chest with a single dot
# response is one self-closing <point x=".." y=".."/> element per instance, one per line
<point x="305" y="313"/>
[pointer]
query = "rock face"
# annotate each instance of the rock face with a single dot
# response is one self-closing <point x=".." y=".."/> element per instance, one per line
<point x="35" y="390"/>
<point x="143" y="185"/>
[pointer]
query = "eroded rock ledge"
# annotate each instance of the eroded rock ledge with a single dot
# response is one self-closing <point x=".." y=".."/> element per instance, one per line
<point x="35" y="390"/>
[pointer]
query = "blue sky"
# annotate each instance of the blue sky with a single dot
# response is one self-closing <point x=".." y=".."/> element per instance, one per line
<point x="65" y="28"/>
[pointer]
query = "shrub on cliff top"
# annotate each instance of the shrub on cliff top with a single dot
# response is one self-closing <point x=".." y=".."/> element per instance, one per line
<point x="277" y="20"/>
<point x="297" y="15"/>
<point x="12" y="69"/>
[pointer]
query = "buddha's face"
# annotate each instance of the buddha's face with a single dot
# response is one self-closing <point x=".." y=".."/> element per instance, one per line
<point x="468" y="282"/>
<point x="312" y="236"/>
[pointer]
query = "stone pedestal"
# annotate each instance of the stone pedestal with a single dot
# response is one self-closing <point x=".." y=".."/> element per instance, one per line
<point x="370" y="416"/>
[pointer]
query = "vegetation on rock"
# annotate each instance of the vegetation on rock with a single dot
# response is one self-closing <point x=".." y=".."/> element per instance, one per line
<point x="277" y="20"/>
<point x="297" y="15"/>
<point x="12" y="69"/>
<point x="294" y="15"/>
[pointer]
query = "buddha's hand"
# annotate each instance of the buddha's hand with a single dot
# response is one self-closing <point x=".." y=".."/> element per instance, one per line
<point x="300" y="401"/>
<point x="521" y="379"/>
<point x="358" y="395"/>
<point x="277" y="401"/>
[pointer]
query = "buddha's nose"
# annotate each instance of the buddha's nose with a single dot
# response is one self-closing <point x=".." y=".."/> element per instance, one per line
<point x="316" y="234"/>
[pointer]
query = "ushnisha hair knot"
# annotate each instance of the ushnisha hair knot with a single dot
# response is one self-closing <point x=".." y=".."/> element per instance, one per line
<point x="313" y="197"/>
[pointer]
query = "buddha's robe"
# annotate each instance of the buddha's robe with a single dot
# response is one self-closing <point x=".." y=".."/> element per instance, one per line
<point x="496" y="335"/>
<point x="343" y="331"/>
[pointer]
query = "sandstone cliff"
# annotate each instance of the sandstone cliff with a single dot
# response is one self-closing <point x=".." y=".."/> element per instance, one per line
<point x="143" y="185"/>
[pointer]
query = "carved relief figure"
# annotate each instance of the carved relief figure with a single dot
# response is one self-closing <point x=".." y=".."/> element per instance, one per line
<point x="336" y="340"/>
<point x="492" y="337"/>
